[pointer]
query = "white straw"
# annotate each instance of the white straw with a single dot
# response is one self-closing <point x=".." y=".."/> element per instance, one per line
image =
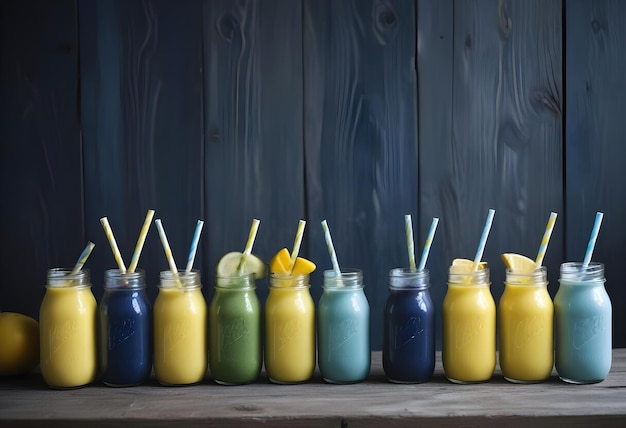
<point x="166" y="246"/>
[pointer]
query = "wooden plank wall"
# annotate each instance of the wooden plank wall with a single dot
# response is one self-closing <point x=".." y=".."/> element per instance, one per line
<point x="354" y="111"/>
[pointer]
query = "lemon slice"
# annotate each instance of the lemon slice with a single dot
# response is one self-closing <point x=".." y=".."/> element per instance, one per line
<point x="302" y="267"/>
<point x="227" y="266"/>
<point x="518" y="263"/>
<point x="281" y="262"/>
<point x="461" y="266"/>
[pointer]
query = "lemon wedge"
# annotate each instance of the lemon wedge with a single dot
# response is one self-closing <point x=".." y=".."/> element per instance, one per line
<point x="281" y="262"/>
<point x="461" y="266"/>
<point x="518" y="263"/>
<point x="227" y="266"/>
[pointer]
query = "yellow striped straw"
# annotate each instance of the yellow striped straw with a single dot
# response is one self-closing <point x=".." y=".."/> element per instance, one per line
<point x="83" y="258"/>
<point x="408" y="227"/>
<point x="428" y="243"/>
<point x="116" y="251"/>
<point x="166" y="246"/>
<point x="331" y="248"/>
<point x="546" y="238"/>
<point x="140" y="241"/>
<point x="246" y="252"/>
<point x="297" y="242"/>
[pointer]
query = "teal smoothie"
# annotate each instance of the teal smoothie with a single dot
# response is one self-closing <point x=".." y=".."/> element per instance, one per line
<point x="582" y="311"/>
<point x="235" y="331"/>
<point x="343" y="328"/>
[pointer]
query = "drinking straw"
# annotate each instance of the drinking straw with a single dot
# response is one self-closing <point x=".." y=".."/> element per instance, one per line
<point x="194" y="246"/>
<point x="297" y="242"/>
<point x="546" y="238"/>
<point x="166" y="246"/>
<point x="429" y="242"/>
<point x="251" y="236"/>
<point x="483" y="239"/>
<point x="408" y="227"/>
<point x="83" y="258"/>
<point x="140" y="241"/>
<point x="331" y="248"/>
<point x="116" y="251"/>
<point x="592" y="239"/>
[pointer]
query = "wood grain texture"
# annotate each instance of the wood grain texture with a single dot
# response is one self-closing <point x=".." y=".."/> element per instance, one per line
<point x="141" y="88"/>
<point x="253" y="105"/>
<point x="41" y="180"/>
<point x="595" y="129"/>
<point x="372" y="403"/>
<point x="491" y="137"/>
<point x="360" y="137"/>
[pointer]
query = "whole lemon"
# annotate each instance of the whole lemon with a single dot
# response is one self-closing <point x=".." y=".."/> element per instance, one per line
<point x="19" y="344"/>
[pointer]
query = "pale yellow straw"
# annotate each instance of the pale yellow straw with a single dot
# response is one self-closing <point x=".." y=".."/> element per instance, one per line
<point x="83" y="258"/>
<point x="166" y="246"/>
<point x="246" y="252"/>
<point x="140" y="241"/>
<point x="546" y="238"/>
<point x="428" y="243"/>
<point x="408" y="227"/>
<point x="116" y="251"/>
<point x="297" y="242"/>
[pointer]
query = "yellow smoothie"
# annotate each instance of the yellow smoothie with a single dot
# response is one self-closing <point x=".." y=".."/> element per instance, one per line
<point x="526" y="327"/>
<point x="67" y="319"/>
<point x="289" y="330"/>
<point x="180" y="330"/>
<point x="469" y="328"/>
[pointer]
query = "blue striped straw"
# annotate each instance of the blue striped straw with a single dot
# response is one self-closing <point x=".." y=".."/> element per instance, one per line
<point x="194" y="246"/>
<point x="83" y="258"/>
<point x="331" y="248"/>
<point x="546" y="238"/>
<point x="483" y="239"/>
<point x="408" y="227"/>
<point x="592" y="239"/>
<point x="429" y="242"/>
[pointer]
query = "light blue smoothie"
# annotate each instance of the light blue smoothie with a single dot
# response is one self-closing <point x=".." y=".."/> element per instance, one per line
<point x="343" y="328"/>
<point x="583" y="318"/>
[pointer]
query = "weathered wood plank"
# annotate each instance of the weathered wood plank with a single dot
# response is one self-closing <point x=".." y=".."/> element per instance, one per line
<point x="360" y="137"/>
<point x="28" y="401"/>
<point x="41" y="219"/>
<point x="253" y="119"/>
<point x="504" y="150"/>
<point x="141" y="89"/>
<point x="595" y="129"/>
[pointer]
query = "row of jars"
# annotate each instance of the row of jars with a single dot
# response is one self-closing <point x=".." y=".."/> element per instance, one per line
<point x="172" y="337"/>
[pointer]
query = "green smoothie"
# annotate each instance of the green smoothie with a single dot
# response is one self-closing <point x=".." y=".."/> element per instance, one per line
<point x="235" y="331"/>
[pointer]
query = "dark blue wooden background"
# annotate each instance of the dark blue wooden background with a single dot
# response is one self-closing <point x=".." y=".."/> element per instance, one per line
<point x="357" y="111"/>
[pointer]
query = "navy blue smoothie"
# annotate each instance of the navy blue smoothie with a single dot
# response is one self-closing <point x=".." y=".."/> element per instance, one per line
<point x="125" y="327"/>
<point x="409" y="328"/>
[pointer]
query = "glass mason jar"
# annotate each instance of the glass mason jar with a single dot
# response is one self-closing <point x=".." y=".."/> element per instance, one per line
<point x="289" y="330"/>
<point x="583" y="317"/>
<point x="180" y="329"/>
<point x="125" y="323"/>
<point x="469" y="328"/>
<point x="235" y="331"/>
<point x="409" y="328"/>
<point x="343" y="319"/>
<point x="67" y="321"/>
<point x="526" y="327"/>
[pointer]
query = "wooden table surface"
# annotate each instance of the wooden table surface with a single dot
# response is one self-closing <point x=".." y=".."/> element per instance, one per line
<point x="27" y="401"/>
